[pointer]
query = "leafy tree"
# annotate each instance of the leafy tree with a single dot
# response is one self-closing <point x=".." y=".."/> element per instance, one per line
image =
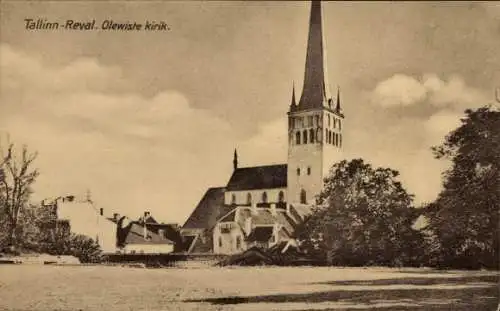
<point x="16" y="179"/>
<point x="363" y="217"/>
<point x="44" y="233"/>
<point x="464" y="217"/>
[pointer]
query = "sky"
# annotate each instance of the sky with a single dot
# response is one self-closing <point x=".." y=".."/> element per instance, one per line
<point x="147" y="121"/>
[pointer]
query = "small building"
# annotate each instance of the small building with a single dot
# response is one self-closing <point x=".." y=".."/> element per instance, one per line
<point x="82" y="217"/>
<point x="144" y="236"/>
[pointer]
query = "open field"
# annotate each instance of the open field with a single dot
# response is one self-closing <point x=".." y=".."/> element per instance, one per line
<point x="34" y="287"/>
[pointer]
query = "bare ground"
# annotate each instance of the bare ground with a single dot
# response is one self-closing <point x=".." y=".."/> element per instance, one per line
<point x="35" y="287"/>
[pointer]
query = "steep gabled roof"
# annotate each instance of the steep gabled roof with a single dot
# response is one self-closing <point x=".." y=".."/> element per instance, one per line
<point x="210" y="208"/>
<point x="134" y="234"/>
<point x="258" y="177"/>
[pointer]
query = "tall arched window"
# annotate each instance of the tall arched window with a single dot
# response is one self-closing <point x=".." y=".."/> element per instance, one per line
<point x="326" y="135"/>
<point x="329" y="121"/>
<point x="281" y="196"/>
<point x="297" y="138"/>
<point x="340" y="124"/>
<point x="264" y="197"/>
<point x="249" y="198"/>
<point x="233" y="199"/>
<point x="340" y="140"/>
<point x="316" y="120"/>
<point x="303" y="196"/>
<point x="298" y="171"/>
<point x="304" y="136"/>
<point x="308" y="170"/>
<point x="311" y="136"/>
<point x="220" y="241"/>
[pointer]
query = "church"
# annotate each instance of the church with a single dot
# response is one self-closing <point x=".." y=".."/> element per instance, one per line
<point x="262" y="205"/>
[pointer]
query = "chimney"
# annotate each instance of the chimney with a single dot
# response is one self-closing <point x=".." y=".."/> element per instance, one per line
<point x="146" y="215"/>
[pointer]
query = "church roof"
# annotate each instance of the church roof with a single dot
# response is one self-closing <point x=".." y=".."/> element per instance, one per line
<point x="210" y="208"/>
<point x="258" y="177"/>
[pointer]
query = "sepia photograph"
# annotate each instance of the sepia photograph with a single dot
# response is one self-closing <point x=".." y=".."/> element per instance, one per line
<point x="249" y="155"/>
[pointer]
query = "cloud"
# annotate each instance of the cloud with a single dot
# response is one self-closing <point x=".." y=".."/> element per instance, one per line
<point x="399" y="90"/>
<point x="268" y="145"/>
<point x="133" y="152"/>
<point x="403" y="90"/>
<point x="433" y="106"/>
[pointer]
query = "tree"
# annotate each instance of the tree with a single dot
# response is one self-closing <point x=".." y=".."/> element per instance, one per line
<point x="465" y="215"/>
<point x="16" y="179"/>
<point x="41" y="231"/>
<point x="363" y="217"/>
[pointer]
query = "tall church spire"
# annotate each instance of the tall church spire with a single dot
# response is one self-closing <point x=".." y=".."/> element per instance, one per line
<point x="315" y="92"/>
<point x="235" y="160"/>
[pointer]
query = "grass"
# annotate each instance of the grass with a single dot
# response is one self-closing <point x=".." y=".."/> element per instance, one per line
<point x="34" y="287"/>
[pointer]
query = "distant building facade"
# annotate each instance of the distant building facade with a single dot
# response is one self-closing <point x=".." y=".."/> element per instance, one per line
<point x="116" y="234"/>
<point x="262" y="206"/>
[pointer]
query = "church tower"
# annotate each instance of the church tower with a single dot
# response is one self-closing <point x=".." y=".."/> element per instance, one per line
<point x="315" y="122"/>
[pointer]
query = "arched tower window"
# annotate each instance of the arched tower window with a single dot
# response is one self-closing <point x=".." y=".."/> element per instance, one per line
<point x="303" y="197"/>
<point x="297" y="138"/>
<point x="304" y="136"/>
<point x="281" y="196"/>
<point x="264" y="197"/>
<point x="298" y="171"/>
<point x="308" y="170"/>
<point x="233" y="199"/>
<point x="249" y="198"/>
<point x="340" y="140"/>
<point x="311" y="136"/>
<point x="340" y="124"/>
<point x="316" y="120"/>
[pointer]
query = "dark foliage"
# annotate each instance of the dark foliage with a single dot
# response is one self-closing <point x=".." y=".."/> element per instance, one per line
<point x="464" y="218"/>
<point x="363" y="216"/>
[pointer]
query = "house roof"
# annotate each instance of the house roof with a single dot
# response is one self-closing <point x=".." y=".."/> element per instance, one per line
<point x="258" y="177"/>
<point x="260" y="234"/>
<point x="210" y="208"/>
<point x="133" y="233"/>
<point x="263" y="217"/>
